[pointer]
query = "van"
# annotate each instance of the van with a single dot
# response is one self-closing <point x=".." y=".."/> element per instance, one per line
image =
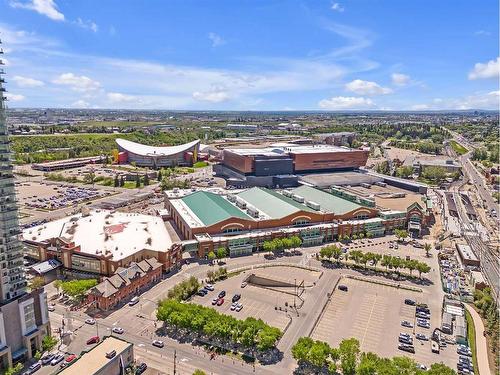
<point x="133" y="301"/>
<point x="111" y="354"/>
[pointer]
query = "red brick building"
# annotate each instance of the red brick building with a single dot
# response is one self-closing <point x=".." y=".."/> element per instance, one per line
<point x="125" y="283"/>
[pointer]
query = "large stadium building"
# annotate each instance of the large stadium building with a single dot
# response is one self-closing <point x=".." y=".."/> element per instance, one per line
<point x="279" y="165"/>
<point x="241" y="222"/>
<point x="157" y="157"/>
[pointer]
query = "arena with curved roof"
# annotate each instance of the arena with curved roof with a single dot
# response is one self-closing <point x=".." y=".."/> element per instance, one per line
<point x="153" y="156"/>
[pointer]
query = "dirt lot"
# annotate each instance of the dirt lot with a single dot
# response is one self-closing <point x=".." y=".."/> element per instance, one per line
<point x="259" y="302"/>
<point x="373" y="313"/>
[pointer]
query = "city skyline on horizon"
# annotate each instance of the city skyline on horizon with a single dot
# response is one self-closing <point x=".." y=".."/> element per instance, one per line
<point x="317" y="56"/>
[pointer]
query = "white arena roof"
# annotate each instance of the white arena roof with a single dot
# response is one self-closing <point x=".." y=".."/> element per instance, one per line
<point x="145" y="150"/>
<point x="103" y="232"/>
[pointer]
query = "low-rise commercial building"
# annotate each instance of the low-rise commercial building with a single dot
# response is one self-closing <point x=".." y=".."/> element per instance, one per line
<point x="124" y="284"/>
<point x="100" y="242"/>
<point x="110" y="357"/>
<point x="467" y="256"/>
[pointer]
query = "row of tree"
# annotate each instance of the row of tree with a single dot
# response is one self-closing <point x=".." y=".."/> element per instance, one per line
<point x="351" y="361"/>
<point x="220" y="253"/>
<point x="185" y="289"/>
<point x="76" y="289"/>
<point x="249" y="333"/>
<point x="359" y="257"/>
<point x="277" y="245"/>
<point x="485" y="303"/>
<point x="219" y="274"/>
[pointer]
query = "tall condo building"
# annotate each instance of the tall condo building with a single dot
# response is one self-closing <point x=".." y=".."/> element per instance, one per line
<point x="24" y="319"/>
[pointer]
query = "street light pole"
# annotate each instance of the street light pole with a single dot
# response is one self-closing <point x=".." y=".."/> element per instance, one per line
<point x="175" y="359"/>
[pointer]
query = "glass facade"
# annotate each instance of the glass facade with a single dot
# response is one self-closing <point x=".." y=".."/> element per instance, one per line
<point x="13" y="282"/>
<point x="29" y="317"/>
<point x="86" y="264"/>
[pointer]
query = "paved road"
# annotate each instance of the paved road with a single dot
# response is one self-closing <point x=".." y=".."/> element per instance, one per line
<point x="481" y="345"/>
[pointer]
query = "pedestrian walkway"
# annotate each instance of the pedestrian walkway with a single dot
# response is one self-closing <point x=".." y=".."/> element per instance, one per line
<point x="481" y="345"/>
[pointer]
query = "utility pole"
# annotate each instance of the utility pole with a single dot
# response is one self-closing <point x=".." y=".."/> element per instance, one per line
<point x="175" y="360"/>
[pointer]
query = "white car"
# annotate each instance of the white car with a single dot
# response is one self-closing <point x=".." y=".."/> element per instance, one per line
<point x="239" y="307"/>
<point x="90" y="321"/>
<point x="51" y="308"/>
<point x="209" y="287"/>
<point x="234" y="305"/>
<point x="118" y="330"/>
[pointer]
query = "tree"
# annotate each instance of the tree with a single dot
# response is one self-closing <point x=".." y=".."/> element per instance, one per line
<point x="422" y="268"/>
<point x="326" y="252"/>
<point x="211" y="256"/>
<point x="411" y="265"/>
<point x="296" y="242"/>
<point x="401" y="234"/>
<point x="159" y="176"/>
<point x="14" y="370"/>
<point x="37" y="283"/>
<point x="269" y="246"/>
<point x="349" y="352"/>
<point x="37" y="355"/>
<point x="221" y="253"/>
<point x="137" y="181"/>
<point x="89" y="178"/>
<point x="77" y="288"/>
<point x="336" y="253"/>
<point x="122" y="181"/>
<point x="404" y="172"/>
<point x="440" y="369"/>
<point x="434" y="174"/>
<point x="300" y="351"/>
<point x="48" y="343"/>
<point x="146" y="179"/>
<point x="116" y="181"/>
<point x="199" y="372"/>
<point x="427" y="248"/>
<point x="356" y="256"/>
<point x="57" y="285"/>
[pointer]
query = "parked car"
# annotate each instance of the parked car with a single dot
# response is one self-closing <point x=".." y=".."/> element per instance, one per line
<point x="58" y="358"/>
<point x="422" y="337"/>
<point x="234" y="305"/>
<point x="410" y="302"/>
<point x="407" y="324"/>
<point x="343" y="288"/>
<point x="406" y="348"/>
<point x="90" y="321"/>
<point x="236" y="297"/>
<point x="70" y="358"/>
<point x="202" y="292"/>
<point x="158" y="343"/>
<point x="51" y="308"/>
<point x="46" y="359"/>
<point x="93" y="340"/>
<point x="35" y="367"/>
<point x="214" y="301"/>
<point x="239" y="307"/>
<point x="244" y="284"/>
<point x="222" y="294"/>
<point x="220" y="301"/>
<point x="118" y="330"/>
<point x="209" y="287"/>
<point x="133" y="301"/>
<point x="140" y="368"/>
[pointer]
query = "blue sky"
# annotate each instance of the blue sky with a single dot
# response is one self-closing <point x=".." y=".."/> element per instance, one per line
<point x="252" y="54"/>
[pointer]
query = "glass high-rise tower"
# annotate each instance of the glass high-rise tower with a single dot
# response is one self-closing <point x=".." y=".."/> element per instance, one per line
<point x="12" y="280"/>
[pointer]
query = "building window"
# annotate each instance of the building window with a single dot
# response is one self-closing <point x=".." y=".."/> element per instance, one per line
<point x="232" y="230"/>
<point x="29" y="317"/>
<point x="300" y="222"/>
<point x="85" y="264"/>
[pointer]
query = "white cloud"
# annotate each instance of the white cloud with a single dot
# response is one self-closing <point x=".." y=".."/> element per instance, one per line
<point x="490" y="100"/>
<point x="45" y="7"/>
<point x="116" y="97"/>
<point x="14" y="97"/>
<point x="80" y="104"/>
<point x="217" y="40"/>
<point x="361" y="87"/>
<point x="77" y="83"/>
<point x="482" y="32"/>
<point x="211" y="96"/>
<point x="27" y="82"/>
<point x="487" y="70"/>
<point x="419" y="107"/>
<point x="89" y="25"/>
<point x="400" y="79"/>
<point x="337" y="7"/>
<point x="345" y="102"/>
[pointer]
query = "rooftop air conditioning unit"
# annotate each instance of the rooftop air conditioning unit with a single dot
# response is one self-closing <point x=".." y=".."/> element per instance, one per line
<point x="231" y="198"/>
<point x="298" y="198"/>
<point x="313" y="205"/>
<point x="287" y="193"/>
<point x="253" y="212"/>
<point x="241" y="204"/>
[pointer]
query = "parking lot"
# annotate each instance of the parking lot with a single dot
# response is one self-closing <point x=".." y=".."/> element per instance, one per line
<point x="52" y="196"/>
<point x="258" y="302"/>
<point x="373" y="313"/>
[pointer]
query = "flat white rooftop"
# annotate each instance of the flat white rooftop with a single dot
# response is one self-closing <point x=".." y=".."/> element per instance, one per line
<point x="103" y="232"/>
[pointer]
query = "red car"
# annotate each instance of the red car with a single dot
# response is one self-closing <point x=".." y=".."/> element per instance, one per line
<point x="93" y="340"/>
<point x="220" y="301"/>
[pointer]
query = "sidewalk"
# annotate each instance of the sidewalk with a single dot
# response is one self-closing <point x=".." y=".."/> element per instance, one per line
<point x="481" y="345"/>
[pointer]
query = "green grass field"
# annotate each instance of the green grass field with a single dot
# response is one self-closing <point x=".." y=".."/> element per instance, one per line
<point x="458" y="148"/>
